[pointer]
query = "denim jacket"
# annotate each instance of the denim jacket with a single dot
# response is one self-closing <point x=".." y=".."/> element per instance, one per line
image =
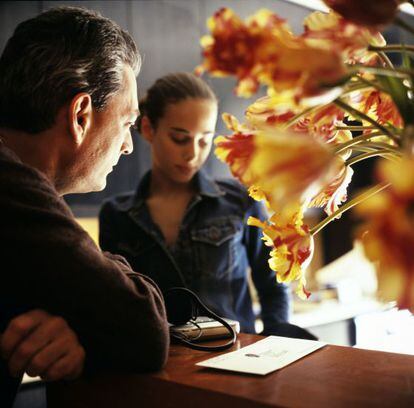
<point x="212" y="254"/>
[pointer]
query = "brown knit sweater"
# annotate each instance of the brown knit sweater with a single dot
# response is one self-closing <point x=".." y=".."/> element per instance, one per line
<point x="48" y="261"/>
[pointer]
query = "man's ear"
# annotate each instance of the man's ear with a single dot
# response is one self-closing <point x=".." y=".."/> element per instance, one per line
<point x="80" y="116"/>
<point x="146" y="129"/>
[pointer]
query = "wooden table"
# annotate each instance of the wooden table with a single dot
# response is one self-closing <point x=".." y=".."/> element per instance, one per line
<point x="330" y="377"/>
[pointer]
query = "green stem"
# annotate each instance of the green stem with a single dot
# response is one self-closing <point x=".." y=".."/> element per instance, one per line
<point x="315" y="109"/>
<point x="368" y="155"/>
<point x="392" y="48"/>
<point x="362" y="197"/>
<point x="354" y="128"/>
<point x="302" y="114"/>
<point x="357" y="86"/>
<point x="359" y="148"/>
<point x="375" y="147"/>
<point x="393" y="72"/>
<point x="366" y="147"/>
<point x="354" y="141"/>
<point x="385" y="59"/>
<point x="360" y="115"/>
<point x="371" y="84"/>
<point x="401" y="23"/>
<point x="381" y="146"/>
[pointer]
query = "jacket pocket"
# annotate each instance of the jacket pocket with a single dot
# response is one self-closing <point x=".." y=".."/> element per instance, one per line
<point x="215" y="245"/>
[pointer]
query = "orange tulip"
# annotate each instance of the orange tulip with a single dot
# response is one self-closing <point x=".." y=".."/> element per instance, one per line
<point x="339" y="35"/>
<point x="237" y="151"/>
<point x="263" y="50"/>
<point x="270" y="113"/>
<point x="287" y="167"/>
<point x="379" y="106"/>
<point x="292" y="249"/>
<point x="335" y="193"/>
<point x="238" y="48"/>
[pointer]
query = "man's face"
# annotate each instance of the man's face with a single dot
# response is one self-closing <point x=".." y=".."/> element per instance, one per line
<point x="109" y="135"/>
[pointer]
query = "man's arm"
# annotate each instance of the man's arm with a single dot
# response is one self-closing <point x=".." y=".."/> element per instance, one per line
<point x="42" y="345"/>
<point x="118" y="315"/>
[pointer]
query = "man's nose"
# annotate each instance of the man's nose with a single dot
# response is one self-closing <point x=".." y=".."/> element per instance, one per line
<point x="128" y="146"/>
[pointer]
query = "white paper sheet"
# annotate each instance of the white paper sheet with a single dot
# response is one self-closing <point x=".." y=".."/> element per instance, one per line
<point x="264" y="356"/>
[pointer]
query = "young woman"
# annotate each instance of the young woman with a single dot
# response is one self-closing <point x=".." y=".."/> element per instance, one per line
<point x="180" y="227"/>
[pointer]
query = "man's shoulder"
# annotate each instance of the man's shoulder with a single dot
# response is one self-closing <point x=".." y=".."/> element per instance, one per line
<point x="8" y="158"/>
<point x="26" y="188"/>
<point x="15" y="171"/>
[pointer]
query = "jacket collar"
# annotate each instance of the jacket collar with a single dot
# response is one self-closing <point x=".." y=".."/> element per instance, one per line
<point x="204" y="185"/>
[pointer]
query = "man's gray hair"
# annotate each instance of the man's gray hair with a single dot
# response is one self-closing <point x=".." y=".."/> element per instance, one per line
<point x="56" y="55"/>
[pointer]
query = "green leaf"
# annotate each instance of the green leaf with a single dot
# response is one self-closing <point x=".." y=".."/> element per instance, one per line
<point x="399" y="93"/>
<point x="406" y="60"/>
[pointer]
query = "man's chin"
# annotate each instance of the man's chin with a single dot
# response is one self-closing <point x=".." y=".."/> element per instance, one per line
<point x="82" y="188"/>
<point x="99" y="187"/>
<point x="95" y="187"/>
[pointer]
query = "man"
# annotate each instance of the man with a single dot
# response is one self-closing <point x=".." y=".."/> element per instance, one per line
<point x="67" y="100"/>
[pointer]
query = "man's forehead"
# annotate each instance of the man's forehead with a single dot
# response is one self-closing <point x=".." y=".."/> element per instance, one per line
<point x="129" y="94"/>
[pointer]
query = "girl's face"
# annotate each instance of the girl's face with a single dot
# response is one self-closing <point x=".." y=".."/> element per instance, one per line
<point x="182" y="140"/>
